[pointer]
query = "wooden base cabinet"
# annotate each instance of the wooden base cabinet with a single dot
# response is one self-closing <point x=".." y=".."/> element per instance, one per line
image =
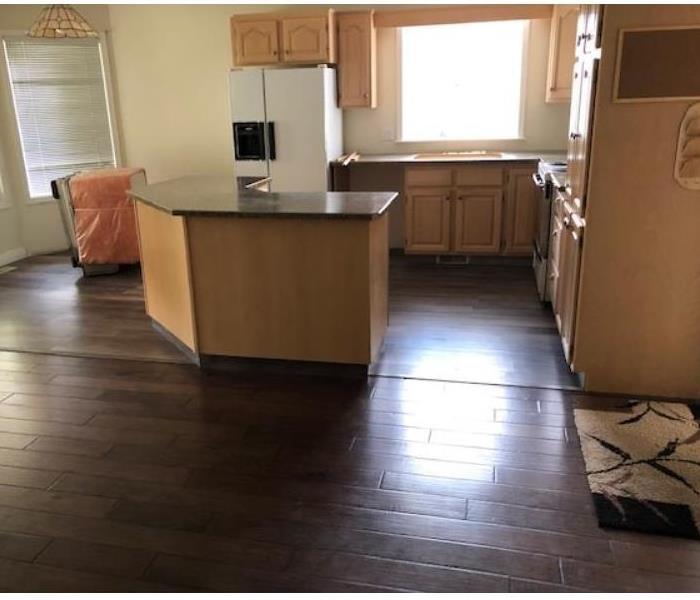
<point x="463" y="210"/>
<point x="428" y="220"/>
<point x="521" y="213"/>
<point x="477" y="221"/>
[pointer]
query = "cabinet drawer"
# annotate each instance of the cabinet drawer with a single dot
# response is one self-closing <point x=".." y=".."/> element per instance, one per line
<point x="428" y="176"/>
<point x="481" y="176"/>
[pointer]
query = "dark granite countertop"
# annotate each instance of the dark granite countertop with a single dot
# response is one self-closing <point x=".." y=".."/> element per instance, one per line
<point x="204" y="196"/>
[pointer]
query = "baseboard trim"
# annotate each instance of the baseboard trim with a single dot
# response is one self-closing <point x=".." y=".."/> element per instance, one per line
<point x="12" y="256"/>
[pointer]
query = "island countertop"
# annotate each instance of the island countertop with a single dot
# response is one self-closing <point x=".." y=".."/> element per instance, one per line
<point x="209" y="196"/>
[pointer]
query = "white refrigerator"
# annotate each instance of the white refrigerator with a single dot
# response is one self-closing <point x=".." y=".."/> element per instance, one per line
<point x="286" y="125"/>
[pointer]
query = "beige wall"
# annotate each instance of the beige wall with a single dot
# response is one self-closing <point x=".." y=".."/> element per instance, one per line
<point x="34" y="228"/>
<point x="638" y="327"/>
<point x="545" y="125"/>
<point x="171" y="63"/>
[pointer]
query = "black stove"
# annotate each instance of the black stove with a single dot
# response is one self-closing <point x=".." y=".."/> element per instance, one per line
<point x="543" y="179"/>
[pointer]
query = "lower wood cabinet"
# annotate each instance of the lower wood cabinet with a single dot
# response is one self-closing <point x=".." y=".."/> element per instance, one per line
<point x="521" y="212"/>
<point x="428" y="219"/>
<point x="467" y="210"/>
<point x="477" y="221"/>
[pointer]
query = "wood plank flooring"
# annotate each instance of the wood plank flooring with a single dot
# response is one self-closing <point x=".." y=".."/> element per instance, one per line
<point x="474" y="323"/>
<point x="123" y="475"/>
<point x="149" y="475"/>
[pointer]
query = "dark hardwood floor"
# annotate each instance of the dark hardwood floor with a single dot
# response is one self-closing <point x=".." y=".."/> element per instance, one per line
<point x="120" y="475"/>
<point x="476" y="323"/>
<point x="150" y="475"/>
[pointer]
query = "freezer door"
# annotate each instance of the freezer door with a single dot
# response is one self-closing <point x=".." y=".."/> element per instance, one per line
<point x="247" y="98"/>
<point x="297" y="102"/>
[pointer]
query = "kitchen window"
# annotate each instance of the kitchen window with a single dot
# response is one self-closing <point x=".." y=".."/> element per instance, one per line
<point x="462" y="82"/>
<point x="61" y="107"/>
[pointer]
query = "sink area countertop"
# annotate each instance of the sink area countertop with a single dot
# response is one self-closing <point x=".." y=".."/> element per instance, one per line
<point x="207" y="196"/>
<point x="470" y="156"/>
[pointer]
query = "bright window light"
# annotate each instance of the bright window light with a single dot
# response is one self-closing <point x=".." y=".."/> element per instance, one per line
<point x="462" y="82"/>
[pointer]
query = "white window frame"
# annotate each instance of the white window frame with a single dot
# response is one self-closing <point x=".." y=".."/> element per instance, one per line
<point x="17" y="138"/>
<point x="523" y="98"/>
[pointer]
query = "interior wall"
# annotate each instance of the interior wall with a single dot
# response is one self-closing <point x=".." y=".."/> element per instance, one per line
<point x="638" y="326"/>
<point x="372" y="131"/>
<point x="171" y="65"/>
<point x="33" y="228"/>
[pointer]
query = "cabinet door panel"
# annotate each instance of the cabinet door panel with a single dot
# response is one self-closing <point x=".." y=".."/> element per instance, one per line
<point x="305" y="39"/>
<point x="562" y="45"/>
<point x="477" y="221"/>
<point x="427" y="220"/>
<point x="356" y="59"/>
<point x="521" y="212"/>
<point x="254" y="42"/>
<point x="567" y="287"/>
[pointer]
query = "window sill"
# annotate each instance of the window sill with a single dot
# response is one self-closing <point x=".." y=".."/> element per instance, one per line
<point x="40" y="200"/>
<point x="460" y="141"/>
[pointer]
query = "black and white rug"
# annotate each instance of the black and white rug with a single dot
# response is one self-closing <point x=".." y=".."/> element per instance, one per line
<point x="643" y="465"/>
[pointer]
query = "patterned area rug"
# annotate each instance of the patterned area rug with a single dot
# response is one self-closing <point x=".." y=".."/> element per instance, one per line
<point x="643" y="465"/>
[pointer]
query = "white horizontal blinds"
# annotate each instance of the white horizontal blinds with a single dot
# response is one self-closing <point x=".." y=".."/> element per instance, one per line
<point x="60" y="101"/>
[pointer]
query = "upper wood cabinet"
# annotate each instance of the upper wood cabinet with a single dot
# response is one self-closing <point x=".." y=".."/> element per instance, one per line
<point x="521" y="212"/>
<point x="308" y="39"/>
<point x="357" y="62"/>
<point x="562" y="47"/>
<point x="477" y="221"/>
<point x="254" y="41"/>
<point x="272" y="38"/>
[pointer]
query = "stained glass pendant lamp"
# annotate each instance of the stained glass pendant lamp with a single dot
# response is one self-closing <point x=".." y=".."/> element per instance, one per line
<point x="61" y="21"/>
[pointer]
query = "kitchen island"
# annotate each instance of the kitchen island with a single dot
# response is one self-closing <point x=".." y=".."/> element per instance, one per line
<point x="265" y="279"/>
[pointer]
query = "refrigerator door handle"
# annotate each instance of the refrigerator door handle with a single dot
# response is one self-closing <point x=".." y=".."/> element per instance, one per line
<point x="271" y="151"/>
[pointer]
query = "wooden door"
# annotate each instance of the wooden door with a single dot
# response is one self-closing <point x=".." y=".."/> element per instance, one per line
<point x="581" y="123"/>
<point x="562" y="46"/>
<point x="521" y="212"/>
<point x="477" y="220"/>
<point x="305" y="39"/>
<point x="555" y="236"/>
<point x="427" y="220"/>
<point x="356" y="60"/>
<point x="569" y="263"/>
<point x="254" y="41"/>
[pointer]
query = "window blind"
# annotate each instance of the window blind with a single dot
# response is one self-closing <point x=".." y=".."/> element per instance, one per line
<point x="59" y="97"/>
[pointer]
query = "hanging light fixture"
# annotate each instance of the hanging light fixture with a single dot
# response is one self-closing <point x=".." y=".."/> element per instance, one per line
<point x="61" y="21"/>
